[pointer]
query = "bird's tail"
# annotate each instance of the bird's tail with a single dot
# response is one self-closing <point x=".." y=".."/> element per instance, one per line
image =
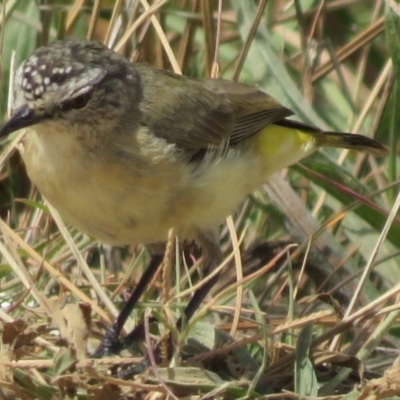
<point x="350" y="141"/>
<point x="336" y="139"/>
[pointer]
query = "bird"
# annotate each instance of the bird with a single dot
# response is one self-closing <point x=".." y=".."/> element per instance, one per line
<point x="125" y="151"/>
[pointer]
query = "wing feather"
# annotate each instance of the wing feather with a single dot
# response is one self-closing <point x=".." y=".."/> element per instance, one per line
<point x="195" y="114"/>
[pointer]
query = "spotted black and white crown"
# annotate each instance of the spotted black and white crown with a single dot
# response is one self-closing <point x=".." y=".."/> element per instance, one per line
<point x="58" y="70"/>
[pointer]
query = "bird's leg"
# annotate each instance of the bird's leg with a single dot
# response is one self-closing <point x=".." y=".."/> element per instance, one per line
<point x="111" y="344"/>
<point x="212" y="257"/>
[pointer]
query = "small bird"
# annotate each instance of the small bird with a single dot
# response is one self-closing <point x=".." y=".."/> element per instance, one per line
<point x="125" y="151"/>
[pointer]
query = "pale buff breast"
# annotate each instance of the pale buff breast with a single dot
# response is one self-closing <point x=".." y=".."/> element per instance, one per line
<point x="102" y="199"/>
<point x="120" y="202"/>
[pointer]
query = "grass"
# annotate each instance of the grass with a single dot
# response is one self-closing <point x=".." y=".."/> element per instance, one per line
<point x="308" y="305"/>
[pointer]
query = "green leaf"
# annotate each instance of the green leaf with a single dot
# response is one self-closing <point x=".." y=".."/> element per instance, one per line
<point x="37" y="389"/>
<point x="63" y="361"/>
<point x="392" y="26"/>
<point x="347" y="189"/>
<point x="279" y="82"/>
<point x="353" y="395"/>
<point x="205" y="337"/>
<point x="19" y="36"/>
<point x="34" y="204"/>
<point x="199" y="379"/>
<point x="305" y="382"/>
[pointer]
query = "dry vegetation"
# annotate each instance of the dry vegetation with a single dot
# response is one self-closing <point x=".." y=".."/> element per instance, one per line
<point x="313" y="320"/>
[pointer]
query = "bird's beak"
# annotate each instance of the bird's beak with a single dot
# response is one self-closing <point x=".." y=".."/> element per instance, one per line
<point x="22" y="118"/>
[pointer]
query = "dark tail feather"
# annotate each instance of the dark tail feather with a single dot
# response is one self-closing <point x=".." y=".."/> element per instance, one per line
<point x="342" y="140"/>
<point x="351" y="141"/>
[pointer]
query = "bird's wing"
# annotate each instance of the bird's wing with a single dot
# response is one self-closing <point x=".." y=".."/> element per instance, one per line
<point x="196" y="114"/>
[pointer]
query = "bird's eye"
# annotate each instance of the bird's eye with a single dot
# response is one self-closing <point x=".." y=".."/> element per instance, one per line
<point x="76" y="103"/>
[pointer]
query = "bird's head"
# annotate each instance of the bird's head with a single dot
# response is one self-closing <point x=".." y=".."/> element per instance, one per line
<point x="77" y="82"/>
